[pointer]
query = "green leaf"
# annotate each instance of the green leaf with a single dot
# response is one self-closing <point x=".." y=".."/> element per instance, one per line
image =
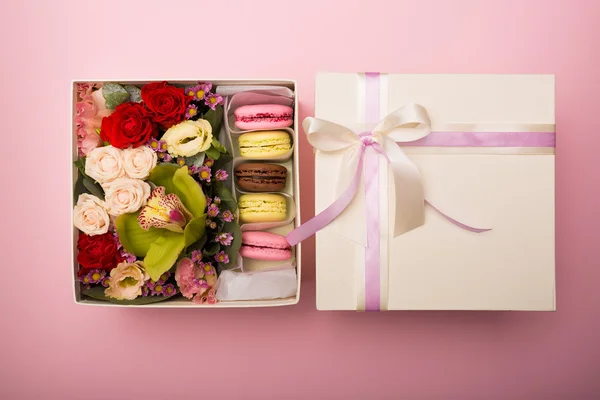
<point x="190" y="192"/>
<point x="114" y="94"/>
<point x="213" y="153"/>
<point x="135" y="239"/>
<point x="135" y="94"/>
<point x="80" y="164"/>
<point x="89" y="185"/>
<point x="197" y="245"/>
<point x="194" y="230"/>
<point x="217" y="145"/>
<point x="211" y="249"/>
<point x="233" y="249"/>
<point x="224" y="194"/>
<point x="163" y="253"/>
<point x="162" y="175"/>
<point x="97" y="292"/>
<point x="93" y="187"/>
<point x="215" y="117"/>
<point x="196" y="160"/>
<point x="222" y="161"/>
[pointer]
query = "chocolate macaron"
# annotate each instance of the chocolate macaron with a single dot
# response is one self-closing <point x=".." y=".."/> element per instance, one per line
<point x="261" y="177"/>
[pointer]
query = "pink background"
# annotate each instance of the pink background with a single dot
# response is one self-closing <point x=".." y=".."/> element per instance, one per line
<point x="52" y="348"/>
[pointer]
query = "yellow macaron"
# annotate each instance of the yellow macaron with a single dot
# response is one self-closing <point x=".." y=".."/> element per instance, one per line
<point x="264" y="144"/>
<point x="262" y="207"/>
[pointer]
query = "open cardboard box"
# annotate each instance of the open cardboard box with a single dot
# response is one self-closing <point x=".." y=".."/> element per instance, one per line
<point x="225" y="137"/>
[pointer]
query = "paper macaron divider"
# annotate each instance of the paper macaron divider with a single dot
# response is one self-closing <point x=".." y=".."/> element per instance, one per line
<point x="250" y="264"/>
<point x="252" y="97"/>
<point x="279" y="158"/>
<point x="288" y="164"/>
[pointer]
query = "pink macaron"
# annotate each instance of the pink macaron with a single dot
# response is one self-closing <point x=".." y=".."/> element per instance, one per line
<point x="263" y="116"/>
<point x="265" y="246"/>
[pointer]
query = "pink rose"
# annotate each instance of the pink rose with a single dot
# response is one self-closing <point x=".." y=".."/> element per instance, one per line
<point x="189" y="277"/>
<point x="88" y="143"/>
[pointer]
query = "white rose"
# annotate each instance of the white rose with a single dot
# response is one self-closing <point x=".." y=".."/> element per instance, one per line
<point x="188" y="138"/>
<point x="124" y="195"/>
<point x="139" y="162"/>
<point x="104" y="164"/>
<point x="90" y="216"/>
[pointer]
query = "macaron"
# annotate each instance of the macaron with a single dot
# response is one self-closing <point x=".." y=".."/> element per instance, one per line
<point x="262" y="207"/>
<point x="265" y="246"/>
<point x="263" y="116"/>
<point x="265" y="144"/>
<point x="261" y="177"/>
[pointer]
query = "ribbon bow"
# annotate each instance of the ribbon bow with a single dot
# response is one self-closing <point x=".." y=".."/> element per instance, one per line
<point x="406" y="124"/>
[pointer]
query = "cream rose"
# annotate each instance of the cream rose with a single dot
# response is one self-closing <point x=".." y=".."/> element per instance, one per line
<point x="90" y="216"/>
<point x="188" y="138"/>
<point x="126" y="281"/>
<point x="125" y="195"/>
<point x="139" y="162"/>
<point x="105" y="164"/>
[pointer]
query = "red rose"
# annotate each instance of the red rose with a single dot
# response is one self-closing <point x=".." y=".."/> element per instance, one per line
<point x="130" y="125"/>
<point x="97" y="252"/>
<point x="167" y="103"/>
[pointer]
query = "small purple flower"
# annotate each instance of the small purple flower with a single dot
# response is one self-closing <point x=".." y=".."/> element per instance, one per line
<point x="208" y="268"/>
<point x="208" y="200"/>
<point x="217" y="200"/>
<point x="213" y="225"/>
<point x="224" y="238"/>
<point x="85" y="279"/>
<point x="209" y="162"/>
<point x="213" y="210"/>
<point x="197" y="256"/>
<point x="208" y="222"/>
<point x="106" y="281"/>
<point x="221" y="257"/>
<point x="169" y="290"/>
<point x="227" y="216"/>
<point x="116" y="236"/>
<point x="150" y="284"/>
<point x="191" y="111"/>
<point x="221" y="175"/>
<point x="128" y="256"/>
<point x="164" y="277"/>
<point x="145" y="291"/>
<point x="192" y="90"/>
<point x="193" y="170"/>
<point x="157" y="289"/>
<point x="181" y="161"/>
<point x="213" y="100"/>
<point x="166" y="157"/>
<point x="204" y="173"/>
<point x="159" y="146"/>
<point x="199" y="91"/>
<point x="95" y="276"/>
<point x="153" y="144"/>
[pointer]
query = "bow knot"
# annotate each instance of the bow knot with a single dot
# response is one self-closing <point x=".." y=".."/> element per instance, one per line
<point x="406" y="124"/>
<point x="367" y="138"/>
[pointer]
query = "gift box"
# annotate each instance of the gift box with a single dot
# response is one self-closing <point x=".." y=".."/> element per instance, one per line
<point x="267" y="283"/>
<point x="433" y="192"/>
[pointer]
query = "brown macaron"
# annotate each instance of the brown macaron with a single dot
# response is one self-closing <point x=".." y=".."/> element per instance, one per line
<point x="260" y="177"/>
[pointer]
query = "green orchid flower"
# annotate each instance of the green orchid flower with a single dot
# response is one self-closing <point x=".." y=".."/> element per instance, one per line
<point x="173" y="218"/>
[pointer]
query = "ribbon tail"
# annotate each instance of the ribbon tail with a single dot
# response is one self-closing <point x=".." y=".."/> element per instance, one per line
<point x="372" y="258"/>
<point x="458" y="223"/>
<point x="326" y="216"/>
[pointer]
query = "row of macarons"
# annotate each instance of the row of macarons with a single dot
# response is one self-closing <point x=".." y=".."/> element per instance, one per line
<point x="263" y="177"/>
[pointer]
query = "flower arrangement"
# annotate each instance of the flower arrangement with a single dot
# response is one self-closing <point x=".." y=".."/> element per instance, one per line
<point x="155" y="216"/>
